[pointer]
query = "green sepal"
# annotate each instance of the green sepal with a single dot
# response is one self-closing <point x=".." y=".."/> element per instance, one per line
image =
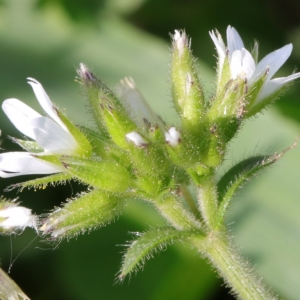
<point x="118" y="125"/>
<point x="223" y="76"/>
<point x="41" y="183"/>
<point x="187" y="92"/>
<point x="91" y="85"/>
<point x="230" y="102"/>
<point x="88" y="211"/>
<point x="253" y="93"/>
<point x="103" y="174"/>
<point x="259" y="106"/>
<point x="148" y="243"/>
<point x="30" y="146"/>
<point x="85" y="148"/>
<point x="191" y="148"/>
<point x="99" y="142"/>
<point x="237" y="176"/>
<point x="225" y="117"/>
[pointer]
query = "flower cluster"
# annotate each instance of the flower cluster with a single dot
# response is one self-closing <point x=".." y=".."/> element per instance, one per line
<point x="131" y="153"/>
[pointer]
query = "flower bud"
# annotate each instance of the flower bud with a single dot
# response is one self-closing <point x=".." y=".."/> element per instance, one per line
<point x="103" y="174"/>
<point x="136" y="139"/>
<point x="187" y="92"/>
<point x="173" y="137"/>
<point x="88" y="211"/>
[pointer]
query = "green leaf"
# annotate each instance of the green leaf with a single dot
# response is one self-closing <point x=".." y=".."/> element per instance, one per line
<point x="148" y="243"/>
<point x="239" y="175"/>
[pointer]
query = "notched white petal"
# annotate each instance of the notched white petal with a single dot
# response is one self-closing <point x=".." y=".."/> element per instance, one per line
<point x="45" y="101"/>
<point x="51" y="137"/>
<point x="275" y="85"/>
<point x="234" y="41"/>
<point x="273" y="61"/>
<point x="137" y="139"/>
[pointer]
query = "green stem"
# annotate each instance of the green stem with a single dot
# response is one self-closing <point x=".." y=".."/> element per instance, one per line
<point x="189" y="200"/>
<point x="173" y="210"/>
<point x="207" y="200"/>
<point x="235" y="271"/>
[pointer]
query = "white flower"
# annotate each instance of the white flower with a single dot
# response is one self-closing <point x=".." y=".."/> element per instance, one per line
<point x="50" y="135"/>
<point x="17" y="217"/>
<point x="243" y="65"/>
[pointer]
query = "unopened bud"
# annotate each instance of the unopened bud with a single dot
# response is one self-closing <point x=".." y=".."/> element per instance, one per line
<point x="137" y="139"/>
<point x="85" y="74"/>
<point x="173" y="137"/>
<point x="181" y="41"/>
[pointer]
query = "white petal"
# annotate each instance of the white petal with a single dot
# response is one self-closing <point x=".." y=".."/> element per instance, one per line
<point x="17" y="216"/>
<point x="135" y="104"/>
<point x="234" y="41"/>
<point x="273" y="61"/>
<point x="236" y="64"/>
<point x="181" y="41"/>
<point x="51" y="137"/>
<point x="136" y="138"/>
<point x="45" y="101"/>
<point x="20" y="115"/>
<point x="221" y="49"/>
<point x="274" y="85"/>
<point x="22" y="163"/>
<point x="242" y="64"/>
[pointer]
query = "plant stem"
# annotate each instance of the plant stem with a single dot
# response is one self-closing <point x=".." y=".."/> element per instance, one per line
<point x="233" y="268"/>
<point x="207" y="200"/>
<point x="172" y="209"/>
<point x="189" y="200"/>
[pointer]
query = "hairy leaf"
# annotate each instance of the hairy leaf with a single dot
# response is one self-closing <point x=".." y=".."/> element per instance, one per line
<point x="148" y="243"/>
<point x="239" y="175"/>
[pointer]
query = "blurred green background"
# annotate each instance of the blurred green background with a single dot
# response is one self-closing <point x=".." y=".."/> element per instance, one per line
<point x="47" y="39"/>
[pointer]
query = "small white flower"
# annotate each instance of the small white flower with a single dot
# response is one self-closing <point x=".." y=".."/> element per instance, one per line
<point x="173" y="137"/>
<point x="17" y="217"/>
<point x="243" y="65"/>
<point x="49" y="133"/>
<point x="136" y="138"/>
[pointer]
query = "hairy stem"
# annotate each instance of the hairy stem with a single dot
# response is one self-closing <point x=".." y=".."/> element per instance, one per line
<point x="207" y="201"/>
<point x="236" y="272"/>
<point x="173" y="210"/>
